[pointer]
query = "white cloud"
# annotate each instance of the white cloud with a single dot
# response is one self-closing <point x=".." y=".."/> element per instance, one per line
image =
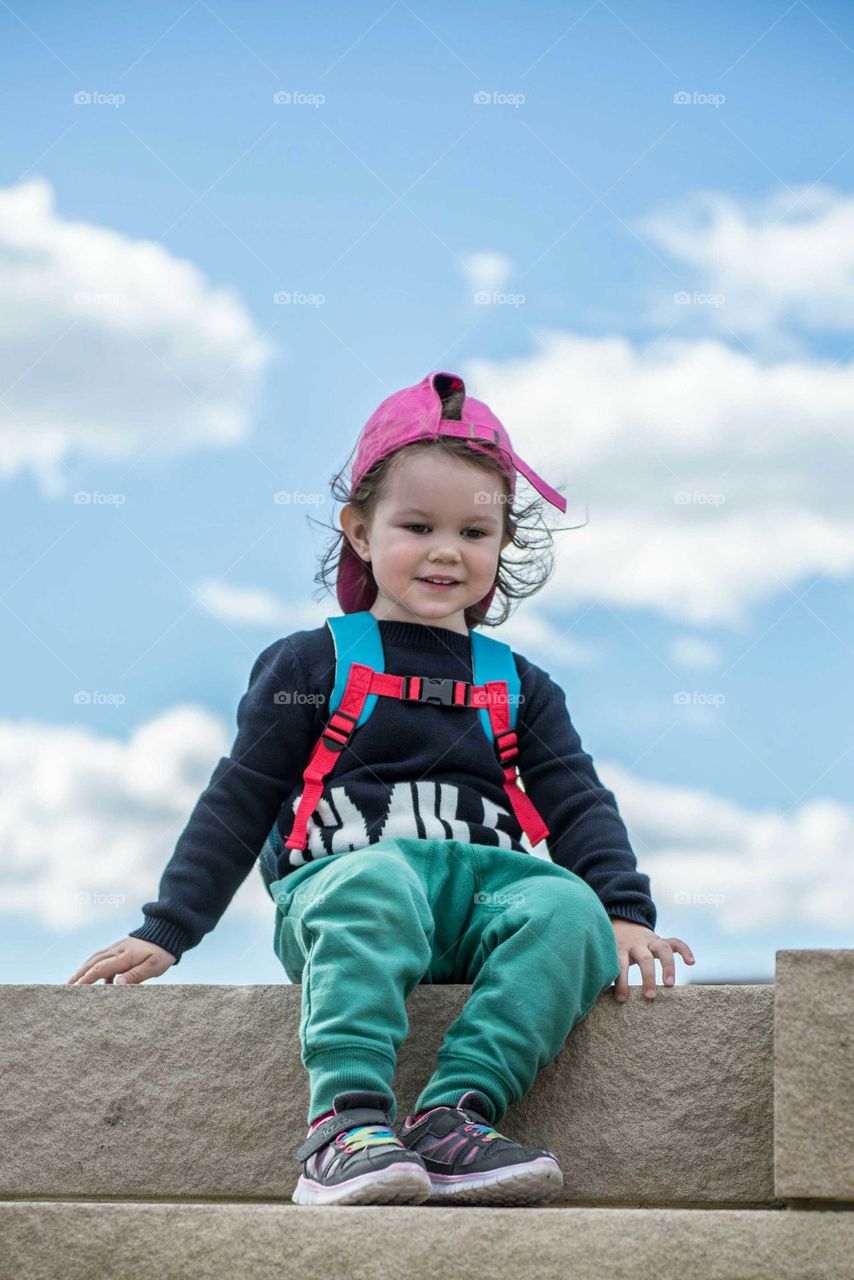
<point x="84" y="816"/>
<point x="529" y="632"/>
<point x="112" y="347"/>
<point x="487" y="272"/>
<point x="785" y="260"/>
<point x="712" y="482"/>
<point x="750" y="868"/>
<point x="257" y="607"/>
<point x="694" y="653"/>
<point x="245" y="606"/>
<point x="88" y="823"/>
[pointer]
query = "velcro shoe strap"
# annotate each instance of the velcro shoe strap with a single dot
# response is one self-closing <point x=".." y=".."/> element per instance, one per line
<point x="337" y="1124"/>
<point x="437" y="1123"/>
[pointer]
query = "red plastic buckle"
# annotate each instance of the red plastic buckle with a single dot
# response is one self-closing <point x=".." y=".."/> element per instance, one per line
<point x="438" y="689"/>
<point x="338" y="744"/>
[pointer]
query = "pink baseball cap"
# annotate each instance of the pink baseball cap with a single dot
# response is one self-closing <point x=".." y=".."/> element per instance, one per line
<point x="416" y="413"/>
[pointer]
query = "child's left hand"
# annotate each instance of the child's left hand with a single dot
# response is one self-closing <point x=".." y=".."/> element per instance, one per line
<point x="636" y="944"/>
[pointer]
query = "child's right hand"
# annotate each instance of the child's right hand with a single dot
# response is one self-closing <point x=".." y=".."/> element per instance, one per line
<point x="131" y="958"/>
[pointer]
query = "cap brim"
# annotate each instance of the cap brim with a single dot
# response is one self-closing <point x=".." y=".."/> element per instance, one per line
<point x="550" y="494"/>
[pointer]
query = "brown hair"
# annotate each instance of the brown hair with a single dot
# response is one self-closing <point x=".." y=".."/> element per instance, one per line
<point x="515" y="580"/>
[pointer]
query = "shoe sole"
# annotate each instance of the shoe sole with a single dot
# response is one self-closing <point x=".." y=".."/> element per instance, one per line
<point x="514" y="1184"/>
<point x="403" y="1183"/>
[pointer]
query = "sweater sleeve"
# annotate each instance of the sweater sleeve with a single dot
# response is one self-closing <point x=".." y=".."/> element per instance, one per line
<point x="234" y="814"/>
<point x="587" y="834"/>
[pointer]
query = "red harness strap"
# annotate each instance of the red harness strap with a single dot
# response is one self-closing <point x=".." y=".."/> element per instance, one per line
<point x="362" y="681"/>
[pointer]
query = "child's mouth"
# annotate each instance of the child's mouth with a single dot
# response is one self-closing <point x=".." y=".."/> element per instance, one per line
<point x="437" y="586"/>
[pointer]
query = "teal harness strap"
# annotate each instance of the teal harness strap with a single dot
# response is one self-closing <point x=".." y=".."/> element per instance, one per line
<point x="492" y="659"/>
<point x="356" y="638"/>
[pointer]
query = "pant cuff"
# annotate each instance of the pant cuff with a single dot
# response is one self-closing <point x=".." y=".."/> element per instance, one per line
<point x="332" y="1071"/>
<point x="453" y="1076"/>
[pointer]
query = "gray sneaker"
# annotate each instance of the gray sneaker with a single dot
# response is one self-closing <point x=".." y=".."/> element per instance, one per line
<point x="355" y="1157"/>
<point x="470" y="1162"/>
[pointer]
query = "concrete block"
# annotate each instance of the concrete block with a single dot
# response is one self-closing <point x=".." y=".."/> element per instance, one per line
<point x="374" y="1242"/>
<point x="195" y="1092"/>
<point x="814" y="1075"/>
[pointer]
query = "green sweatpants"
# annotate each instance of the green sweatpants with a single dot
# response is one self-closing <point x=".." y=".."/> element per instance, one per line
<point x="362" y="928"/>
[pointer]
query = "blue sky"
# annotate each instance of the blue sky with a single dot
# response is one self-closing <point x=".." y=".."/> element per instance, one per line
<point x="629" y="227"/>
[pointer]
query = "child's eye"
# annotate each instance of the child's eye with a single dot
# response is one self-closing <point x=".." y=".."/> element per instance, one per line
<point x="481" y="533"/>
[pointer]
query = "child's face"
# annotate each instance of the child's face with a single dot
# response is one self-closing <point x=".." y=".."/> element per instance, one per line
<point x="438" y="517"/>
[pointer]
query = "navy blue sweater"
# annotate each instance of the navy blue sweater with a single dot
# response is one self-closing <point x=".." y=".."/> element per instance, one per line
<point x="414" y="770"/>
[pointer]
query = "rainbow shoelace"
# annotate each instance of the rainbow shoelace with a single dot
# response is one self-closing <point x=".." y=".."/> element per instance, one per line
<point x="366" y="1135"/>
<point x="485" y="1131"/>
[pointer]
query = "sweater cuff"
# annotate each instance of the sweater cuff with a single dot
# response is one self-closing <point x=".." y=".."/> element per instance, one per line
<point x="164" y="934"/>
<point x="636" y="915"/>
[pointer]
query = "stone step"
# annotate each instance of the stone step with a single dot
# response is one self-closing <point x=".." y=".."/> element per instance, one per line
<point x="192" y="1092"/>
<point x="707" y="1096"/>
<point x="114" y="1240"/>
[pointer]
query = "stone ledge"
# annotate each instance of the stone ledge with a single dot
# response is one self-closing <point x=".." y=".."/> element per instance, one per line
<point x="188" y="1092"/>
<point x="263" y="1242"/>
<point x="813" y="1075"/>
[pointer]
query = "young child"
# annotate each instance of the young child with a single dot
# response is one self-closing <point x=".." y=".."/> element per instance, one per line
<point x="413" y="862"/>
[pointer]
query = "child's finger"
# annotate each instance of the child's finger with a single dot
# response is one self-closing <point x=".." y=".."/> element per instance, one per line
<point x="646" y="963"/>
<point x="621" y="986"/>
<point x="85" y="965"/>
<point x="100" y="969"/>
<point x="660" y="947"/>
<point x="684" y="950"/>
<point x="131" y="977"/>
